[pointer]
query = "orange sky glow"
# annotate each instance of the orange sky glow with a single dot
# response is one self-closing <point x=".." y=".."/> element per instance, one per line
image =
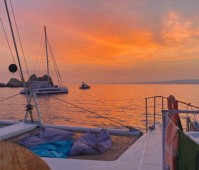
<point x="100" y="41"/>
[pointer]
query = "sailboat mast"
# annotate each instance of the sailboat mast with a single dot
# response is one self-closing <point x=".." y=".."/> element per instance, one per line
<point x="15" y="45"/>
<point x="46" y="43"/>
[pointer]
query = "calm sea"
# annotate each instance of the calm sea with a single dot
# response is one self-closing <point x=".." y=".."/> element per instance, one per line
<point x="121" y="103"/>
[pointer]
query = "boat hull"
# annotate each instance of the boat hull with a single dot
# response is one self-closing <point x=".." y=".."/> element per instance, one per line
<point x="51" y="90"/>
<point x="83" y="88"/>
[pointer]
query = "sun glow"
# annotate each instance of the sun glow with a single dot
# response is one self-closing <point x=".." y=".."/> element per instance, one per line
<point x="127" y="37"/>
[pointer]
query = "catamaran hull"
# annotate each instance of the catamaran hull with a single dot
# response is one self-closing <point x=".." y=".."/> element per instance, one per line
<point x="56" y="90"/>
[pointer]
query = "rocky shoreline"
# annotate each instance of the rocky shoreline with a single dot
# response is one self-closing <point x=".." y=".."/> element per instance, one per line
<point x="13" y="82"/>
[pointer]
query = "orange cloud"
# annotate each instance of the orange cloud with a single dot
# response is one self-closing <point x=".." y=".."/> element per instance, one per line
<point x="104" y="38"/>
<point x="177" y="29"/>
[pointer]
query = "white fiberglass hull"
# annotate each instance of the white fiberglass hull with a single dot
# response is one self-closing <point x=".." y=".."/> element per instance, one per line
<point x="47" y="90"/>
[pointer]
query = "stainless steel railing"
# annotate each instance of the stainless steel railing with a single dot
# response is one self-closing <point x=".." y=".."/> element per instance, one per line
<point x="164" y="113"/>
<point x="154" y="99"/>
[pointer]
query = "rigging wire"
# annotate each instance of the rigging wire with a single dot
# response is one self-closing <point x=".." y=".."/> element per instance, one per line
<point x="54" y="62"/>
<point x="9" y="97"/>
<point x="128" y="127"/>
<point x="19" y="39"/>
<point x="14" y="41"/>
<point x="39" y="53"/>
<point x="56" y="71"/>
<point x="8" y="44"/>
<point x="41" y="59"/>
<point x="7" y="41"/>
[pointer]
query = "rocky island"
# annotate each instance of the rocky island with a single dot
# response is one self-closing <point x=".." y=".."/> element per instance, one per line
<point x="13" y="82"/>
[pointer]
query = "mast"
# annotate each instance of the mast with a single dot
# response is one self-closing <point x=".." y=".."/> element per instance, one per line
<point x="15" y="45"/>
<point x="46" y="43"/>
<point x="32" y="93"/>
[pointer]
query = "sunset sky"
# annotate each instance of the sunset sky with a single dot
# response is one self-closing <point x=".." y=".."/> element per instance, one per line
<point x="106" y="41"/>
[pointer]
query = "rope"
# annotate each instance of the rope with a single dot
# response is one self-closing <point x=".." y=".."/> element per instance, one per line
<point x="19" y="38"/>
<point x="9" y="97"/>
<point x="8" y="44"/>
<point x="7" y="41"/>
<point x="39" y="54"/>
<point x="193" y="114"/>
<point x="189" y="104"/>
<point x="55" y="65"/>
<point x="14" y="41"/>
<point x="128" y="127"/>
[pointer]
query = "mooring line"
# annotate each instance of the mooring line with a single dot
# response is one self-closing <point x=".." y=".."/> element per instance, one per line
<point x="9" y="97"/>
<point x="128" y="127"/>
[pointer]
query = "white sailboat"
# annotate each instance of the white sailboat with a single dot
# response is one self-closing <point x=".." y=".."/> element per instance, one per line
<point x="45" y="87"/>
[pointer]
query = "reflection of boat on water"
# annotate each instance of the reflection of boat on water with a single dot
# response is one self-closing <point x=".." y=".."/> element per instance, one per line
<point x="46" y="87"/>
<point x="84" y="86"/>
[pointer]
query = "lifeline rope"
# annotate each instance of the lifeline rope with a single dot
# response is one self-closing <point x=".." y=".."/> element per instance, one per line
<point x="9" y="97"/>
<point x="128" y="127"/>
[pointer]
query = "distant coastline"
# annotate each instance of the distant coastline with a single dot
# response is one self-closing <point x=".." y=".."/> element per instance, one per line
<point x="17" y="83"/>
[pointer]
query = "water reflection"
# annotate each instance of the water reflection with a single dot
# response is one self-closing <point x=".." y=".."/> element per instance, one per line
<point x="122" y="103"/>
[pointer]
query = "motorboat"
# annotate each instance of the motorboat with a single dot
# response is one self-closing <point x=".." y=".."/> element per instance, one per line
<point x="84" y="86"/>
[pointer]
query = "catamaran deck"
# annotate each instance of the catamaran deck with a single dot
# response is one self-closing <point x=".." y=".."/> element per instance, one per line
<point x="144" y="154"/>
<point x="15" y="129"/>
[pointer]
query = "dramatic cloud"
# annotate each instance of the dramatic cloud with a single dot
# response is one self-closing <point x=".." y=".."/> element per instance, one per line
<point x="109" y="41"/>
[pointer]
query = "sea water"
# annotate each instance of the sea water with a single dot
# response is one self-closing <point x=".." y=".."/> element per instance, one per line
<point x="123" y="103"/>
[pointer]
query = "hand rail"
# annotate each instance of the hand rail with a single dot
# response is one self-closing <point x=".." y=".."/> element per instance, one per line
<point x="164" y="112"/>
<point x="154" y="108"/>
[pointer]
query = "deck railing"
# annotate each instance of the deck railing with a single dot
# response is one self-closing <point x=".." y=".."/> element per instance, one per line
<point x="154" y="99"/>
<point x="164" y="113"/>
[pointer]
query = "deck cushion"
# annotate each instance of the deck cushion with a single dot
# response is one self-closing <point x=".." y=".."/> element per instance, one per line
<point x="92" y="143"/>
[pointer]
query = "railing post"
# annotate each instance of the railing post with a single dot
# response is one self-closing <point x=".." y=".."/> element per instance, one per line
<point x="188" y="120"/>
<point x="163" y="140"/>
<point x="154" y="110"/>
<point x="146" y="115"/>
<point x="162" y="103"/>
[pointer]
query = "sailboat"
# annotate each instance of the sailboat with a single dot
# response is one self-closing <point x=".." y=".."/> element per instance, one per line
<point x="45" y="87"/>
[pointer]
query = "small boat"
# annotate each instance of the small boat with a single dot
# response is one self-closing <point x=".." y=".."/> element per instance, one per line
<point x="84" y="86"/>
